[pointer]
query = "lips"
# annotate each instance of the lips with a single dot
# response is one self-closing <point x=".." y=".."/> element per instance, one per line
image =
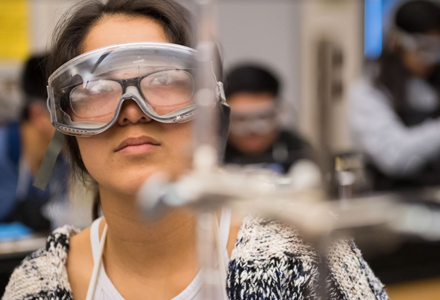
<point x="137" y="142"/>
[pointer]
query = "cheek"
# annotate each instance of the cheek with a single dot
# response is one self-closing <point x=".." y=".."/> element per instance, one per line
<point x="93" y="153"/>
<point x="235" y="139"/>
<point x="179" y="146"/>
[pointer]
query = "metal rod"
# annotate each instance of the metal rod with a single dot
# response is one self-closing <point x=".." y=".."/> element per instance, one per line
<point x="206" y="145"/>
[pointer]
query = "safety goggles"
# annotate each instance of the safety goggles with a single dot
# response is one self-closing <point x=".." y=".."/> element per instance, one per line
<point x="253" y="122"/>
<point x="85" y="95"/>
<point x="425" y="46"/>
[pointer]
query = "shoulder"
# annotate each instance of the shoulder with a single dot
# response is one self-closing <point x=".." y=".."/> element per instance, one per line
<point x="370" y="105"/>
<point x="271" y="260"/>
<point x="4" y="144"/>
<point x="79" y="264"/>
<point x="3" y="130"/>
<point x="256" y="232"/>
<point x="292" y="138"/>
<point x="42" y="275"/>
<point x="363" y="90"/>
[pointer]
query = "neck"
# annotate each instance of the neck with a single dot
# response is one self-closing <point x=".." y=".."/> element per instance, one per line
<point x="33" y="146"/>
<point x="134" y="244"/>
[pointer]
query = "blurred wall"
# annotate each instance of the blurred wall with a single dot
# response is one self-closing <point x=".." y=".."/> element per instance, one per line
<point x="43" y="15"/>
<point x="43" y="18"/>
<point x="340" y="21"/>
<point x="266" y="32"/>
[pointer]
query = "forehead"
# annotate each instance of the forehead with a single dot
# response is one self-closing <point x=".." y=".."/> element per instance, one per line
<point x="134" y="71"/>
<point x="118" y="29"/>
<point x="249" y="101"/>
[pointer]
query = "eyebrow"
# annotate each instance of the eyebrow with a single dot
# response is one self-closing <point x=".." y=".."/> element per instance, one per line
<point x="133" y="71"/>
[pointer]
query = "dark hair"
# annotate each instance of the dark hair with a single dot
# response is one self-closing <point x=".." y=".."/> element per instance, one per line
<point x="417" y="16"/>
<point x="74" y="27"/>
<point x="33" y="82"/>
<point x="413" y="17"/>
<point x="251" y="78"/>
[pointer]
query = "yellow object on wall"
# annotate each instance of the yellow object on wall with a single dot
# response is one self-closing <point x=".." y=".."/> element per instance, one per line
<point x="14" y="30"/>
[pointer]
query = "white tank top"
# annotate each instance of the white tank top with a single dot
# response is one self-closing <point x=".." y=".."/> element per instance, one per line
<point x="105" y="290"/>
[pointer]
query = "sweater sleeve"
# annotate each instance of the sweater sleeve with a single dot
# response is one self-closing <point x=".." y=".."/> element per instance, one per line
<point x="351" y="275"/>
<point x="42" y="275"/>
<point x="396" y="149"/>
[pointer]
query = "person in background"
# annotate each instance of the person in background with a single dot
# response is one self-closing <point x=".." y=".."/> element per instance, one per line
<point x="394" y="110"/>
<point x="22" y="148"/>
<point x="256" y="136"/>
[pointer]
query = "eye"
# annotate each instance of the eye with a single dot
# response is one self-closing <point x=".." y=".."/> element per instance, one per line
<point x="163" y="78"/>
<point x="97" y="87"/>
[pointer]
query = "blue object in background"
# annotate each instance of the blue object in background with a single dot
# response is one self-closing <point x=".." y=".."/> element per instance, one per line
<point x="373" y="28"/>
<point x="376" y="14"/>
<point x="13" y="231"/>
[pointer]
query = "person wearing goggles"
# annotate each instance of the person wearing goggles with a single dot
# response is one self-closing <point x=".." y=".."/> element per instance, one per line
<point x="394" y="110"/>
<point x="23" y="144"/>
<point x="121" y="92"/>
<point x="256" y="136"/>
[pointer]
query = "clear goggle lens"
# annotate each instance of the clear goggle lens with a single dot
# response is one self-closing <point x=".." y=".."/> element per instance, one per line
<point x="164" y="90"/>
<point x="261" y="122"/>
<point x="420" y="42"/>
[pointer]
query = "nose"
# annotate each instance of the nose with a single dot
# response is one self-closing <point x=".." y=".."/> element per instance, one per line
<point x="131" y="113"/>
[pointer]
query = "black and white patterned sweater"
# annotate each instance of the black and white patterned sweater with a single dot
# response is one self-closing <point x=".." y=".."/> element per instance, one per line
<point x="269" y="261"/>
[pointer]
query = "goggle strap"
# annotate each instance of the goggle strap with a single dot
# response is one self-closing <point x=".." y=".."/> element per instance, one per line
<point x="50" y="158"/>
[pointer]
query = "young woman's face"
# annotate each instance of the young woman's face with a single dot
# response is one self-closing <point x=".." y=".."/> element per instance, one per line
<point x="123" y="157"/>
<point x="257" y="112"/>
<point x="415" y="61"/>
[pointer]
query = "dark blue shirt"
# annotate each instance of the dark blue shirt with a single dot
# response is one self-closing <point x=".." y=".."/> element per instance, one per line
<point x="16" y="183"/>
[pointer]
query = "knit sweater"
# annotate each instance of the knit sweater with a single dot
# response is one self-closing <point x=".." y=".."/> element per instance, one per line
<point x="269" y="261"/>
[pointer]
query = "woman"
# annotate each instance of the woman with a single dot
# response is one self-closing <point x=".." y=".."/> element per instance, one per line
<point x="128" y="141"/>
<point x="394" y="111"/>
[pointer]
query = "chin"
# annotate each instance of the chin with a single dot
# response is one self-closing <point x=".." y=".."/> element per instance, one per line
<point x="137" y="181"/>
<point x="135" y="185"/>
<point x="130" y="184"/>
<point x="130" y="181"/>
<point x="254" y="148"/>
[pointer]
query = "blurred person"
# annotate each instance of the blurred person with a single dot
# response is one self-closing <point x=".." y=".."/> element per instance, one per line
<point x="22" y="148"/>
<point x="256" y="136"/>
<point x="394" y="110"/>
